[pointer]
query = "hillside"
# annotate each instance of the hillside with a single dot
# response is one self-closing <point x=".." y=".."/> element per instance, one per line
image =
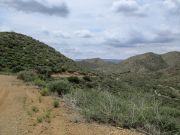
<point x="96" y="64"/>
<point x="94" y="60"/>
<point x="147" y="62"/>
<point x="19" y="52"/>
<point x="144" y="63"/>
<point x="172" y="59"/>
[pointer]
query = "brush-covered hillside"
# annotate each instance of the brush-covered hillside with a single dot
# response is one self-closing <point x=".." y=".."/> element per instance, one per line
<point x="172" y="59"/>
<point x="147" y="62"/>
<point x="144" y="63"/>
<point x="97" y="64"/>
<point x="20" y="52"/>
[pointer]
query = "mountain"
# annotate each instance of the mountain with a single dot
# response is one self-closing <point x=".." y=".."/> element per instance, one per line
<point x="143" y="63"/>
<point x="97" y="64"/>
<point x="115" y="61"/>
<point x="20" y="52"/>
<point x="93" y="60"/>
<point x="147" y="62"/>
<point x="172" y="58"/>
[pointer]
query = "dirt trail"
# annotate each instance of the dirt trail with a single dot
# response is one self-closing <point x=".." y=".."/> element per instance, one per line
<point x="24" y="112"/>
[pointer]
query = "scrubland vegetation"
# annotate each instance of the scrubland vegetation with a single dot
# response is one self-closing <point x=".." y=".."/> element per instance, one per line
<point x="147" y="100"/>
<point x="121" y="100"/>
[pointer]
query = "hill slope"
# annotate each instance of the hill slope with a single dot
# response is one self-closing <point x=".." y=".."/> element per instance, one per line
<point x="172" y="59"/>
<point x="143" y="63"/>
<point x="97" y="64"/>
<point x="19" y="52"/>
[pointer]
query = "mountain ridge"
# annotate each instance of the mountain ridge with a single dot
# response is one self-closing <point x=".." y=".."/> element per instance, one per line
<point x="20" y="52"/>
<point x="147" y="62"/>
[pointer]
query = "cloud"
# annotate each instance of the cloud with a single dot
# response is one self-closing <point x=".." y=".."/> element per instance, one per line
<point x="173" y="6"/>
<point x="134" y="26"/>
<point x="83" y="34"/>
<point x="128" y="7"/>
<point x="67" y="35"/>
<point x="4" y="28"/>
<point x="33" y="6"/>
<point x="135" y="38"/>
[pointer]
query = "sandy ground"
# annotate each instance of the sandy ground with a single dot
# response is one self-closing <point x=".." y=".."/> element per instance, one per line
<point x="23" y="111"/>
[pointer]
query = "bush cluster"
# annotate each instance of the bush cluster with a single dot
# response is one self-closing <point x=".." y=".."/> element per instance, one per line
<point x="27" y="76"/>
<point x="60" y="86"/>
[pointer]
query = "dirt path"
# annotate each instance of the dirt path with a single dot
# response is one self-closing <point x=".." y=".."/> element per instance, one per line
<point x="24" y="112"/>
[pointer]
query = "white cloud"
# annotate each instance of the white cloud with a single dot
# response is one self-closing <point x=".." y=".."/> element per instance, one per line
<point x="83" y="34"/>
<point x="93" y="30"/>
<point x="146" y="38"/>
<point x="128" y="7"/>
<point x="173" y="6"/>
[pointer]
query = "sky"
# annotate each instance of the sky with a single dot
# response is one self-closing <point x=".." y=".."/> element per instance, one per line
<point x="109" y="29"/>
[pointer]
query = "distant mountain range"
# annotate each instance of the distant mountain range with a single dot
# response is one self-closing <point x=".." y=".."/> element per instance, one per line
<point x="19" y="52"/>
<point x="114" y="61"/>
<point x="147" y="62"/>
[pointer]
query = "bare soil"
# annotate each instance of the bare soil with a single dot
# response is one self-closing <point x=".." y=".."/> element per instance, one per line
<point x="23" y="111"/>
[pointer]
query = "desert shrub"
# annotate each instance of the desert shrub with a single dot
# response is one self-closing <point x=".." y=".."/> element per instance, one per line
<point x="35" y="109"/>
<point x="56" y="103"/>
<point x="27" y="76"/>
<point x="90" y="85"/>
<point x="87" y="78"/>
<point x="39" y="82"/>
<point x="39" y="119"/>
<point x="140" y="110"/>
<point x="44" y="92"/>
<point x="74" y="79"/>
<point x="59" y="86"/>
<point x="44" y="70"/>
<point x="17" y="68"/>
<point x="63" y="69"/>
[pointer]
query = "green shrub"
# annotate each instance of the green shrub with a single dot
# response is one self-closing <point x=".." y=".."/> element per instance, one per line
<point x="44" y="70"/>
<point x="35" y="109"/>
<point x="59" y="86"/>
<point x="74" y="79"/>
<point x="87" y="78"/>
<point x="140" y="110"/>
<point x="63" y="69"/>
<point x="39" y="119"/>
<point x="39" y="82"/>
<point x="17" y="68"/>
<point x="56" y="103"/>
<point x="27" y="76"/>
<point x="44" y="92"/>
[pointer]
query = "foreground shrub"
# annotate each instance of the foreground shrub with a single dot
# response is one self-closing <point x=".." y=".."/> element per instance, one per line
<point x="27" y="76"/>
<point x="140" y="110"/>
<point x="44" y="70"/>
<point x="60" y="86"/>
<point x="44" y="92"/>
<point x="87" y="78"/>
<point x="74" y="79"/>
<point x="35" y="109"/>
<point x="39" y="82"/>
<point x="56" y="103"/>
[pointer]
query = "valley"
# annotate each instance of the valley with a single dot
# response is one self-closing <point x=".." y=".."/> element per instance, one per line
<point x="42" y="92"/>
